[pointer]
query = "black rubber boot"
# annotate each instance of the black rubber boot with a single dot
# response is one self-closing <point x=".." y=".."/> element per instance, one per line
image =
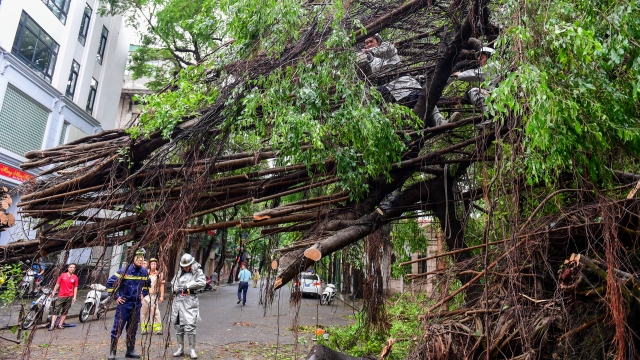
<point x="131" y="352"/>
<point x="113" y="349"/>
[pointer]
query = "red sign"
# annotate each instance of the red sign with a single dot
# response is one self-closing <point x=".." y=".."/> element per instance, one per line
<point x="13" y="173"/>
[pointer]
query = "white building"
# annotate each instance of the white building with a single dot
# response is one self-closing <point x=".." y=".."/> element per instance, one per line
<point x="61" y="74"/>
<point x="127" y="108"/>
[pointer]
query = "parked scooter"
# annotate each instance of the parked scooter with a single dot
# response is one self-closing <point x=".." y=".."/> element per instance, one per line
<point x="43" y="305"/>
<point x="328" y="294"/>
<point x="97" y="303"/>
<point x="28" y="282"/>
<point x="208" y="286"/>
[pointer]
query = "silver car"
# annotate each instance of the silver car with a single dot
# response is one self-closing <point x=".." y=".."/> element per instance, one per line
<point x="310" y="284"/>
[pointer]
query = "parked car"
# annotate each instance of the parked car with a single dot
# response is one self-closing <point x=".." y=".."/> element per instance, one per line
<point x="310" y="284"/>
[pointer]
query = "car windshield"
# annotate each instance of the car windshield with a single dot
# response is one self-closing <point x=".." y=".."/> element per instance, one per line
<point x="309" y="277"/>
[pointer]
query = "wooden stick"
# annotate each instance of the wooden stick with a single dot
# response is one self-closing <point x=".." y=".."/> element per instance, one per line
<point x="286" y="209"/>
<point x="222" y="207"/>
<point x="294" y="247"/>
<point x="10" y="340"/>
<point x="470" y="282"/>
<point x="390" y="17"/>
<point x="451" y="253"/>
<point x="76" y="162"/>
<point x="292" y="228"/>
<point x="319" y="198"/>
<point x="73" y="182"/>
<point x="584" y="326"/>
<point x="296" y="190"/>
<point x="252" y="224"/>
<point x="44" y="199"/>
<point x="413" y="276"/>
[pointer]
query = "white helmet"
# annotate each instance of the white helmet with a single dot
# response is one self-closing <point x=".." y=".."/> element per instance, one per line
<point x="486" y="50"/>
<point x="186" y="260"/>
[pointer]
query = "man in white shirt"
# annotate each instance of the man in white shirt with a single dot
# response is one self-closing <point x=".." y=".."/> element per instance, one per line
<point x="243" y="285"/>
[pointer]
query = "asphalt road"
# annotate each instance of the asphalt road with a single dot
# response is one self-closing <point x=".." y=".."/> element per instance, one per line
<point x="227" y="330"/>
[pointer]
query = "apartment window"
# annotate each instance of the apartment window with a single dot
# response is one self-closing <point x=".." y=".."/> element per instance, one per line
<point x="63" y="133"/>
<point x="92" y="95"/>
<point x="34" y="47"/>
<point x="33" y="121"/>
<point x="73" y="79"/>
<point x="59" y="8"/>
<point x="103" y="45"/>
<point x="84" y="25"/>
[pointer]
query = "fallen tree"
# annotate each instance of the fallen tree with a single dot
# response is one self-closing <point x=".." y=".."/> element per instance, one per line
<point x="284" y="129"/>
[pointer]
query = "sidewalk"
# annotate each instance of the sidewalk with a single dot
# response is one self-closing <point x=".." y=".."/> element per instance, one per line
<point x="353" y="304"/>
<point x="9" y="314"/>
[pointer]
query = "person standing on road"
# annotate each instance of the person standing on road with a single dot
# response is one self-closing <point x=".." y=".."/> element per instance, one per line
<point x="256" y="277"/>
<point x="186" y="308"/>
<point x="243" y="285"/>
<point x="150" y="317"/>
<point x="68" y="285"/>
<point x="129" y="285"/>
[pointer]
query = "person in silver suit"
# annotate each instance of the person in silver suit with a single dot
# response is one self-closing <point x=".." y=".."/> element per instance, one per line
<point x="186" y="309"/>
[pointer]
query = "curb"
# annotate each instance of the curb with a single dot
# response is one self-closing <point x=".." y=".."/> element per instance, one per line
<point x="341" y="298"/>
<point x="39" y="325"/>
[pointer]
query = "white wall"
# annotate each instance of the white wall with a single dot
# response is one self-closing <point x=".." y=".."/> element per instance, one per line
<point x="109" y="75"/>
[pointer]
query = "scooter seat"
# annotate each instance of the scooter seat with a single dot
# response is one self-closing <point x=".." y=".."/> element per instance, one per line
<point x="104" y="295"/>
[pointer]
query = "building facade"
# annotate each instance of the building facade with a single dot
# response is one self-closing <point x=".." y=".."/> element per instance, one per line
<point x="61" y="75"/>
<point x="128" y="109"/>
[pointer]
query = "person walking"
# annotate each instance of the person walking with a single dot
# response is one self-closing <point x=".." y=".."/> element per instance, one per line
<point x="243" y="285"/>
<point x="255" y="278"/>
<point x="150" y="318"/>
<point x="128" y="286"/>
<point x="68" y="285"/>
<point x="186" y="308"/>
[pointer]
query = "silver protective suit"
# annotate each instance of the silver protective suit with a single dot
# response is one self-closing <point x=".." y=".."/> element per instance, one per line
<point x="186" y="308"/>
<point x="477" y="95"/>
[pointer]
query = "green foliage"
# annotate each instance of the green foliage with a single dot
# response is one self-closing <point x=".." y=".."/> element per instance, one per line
<point x="9" y="280"/>
<point x="322" y="102"/>
<point x="403" y="313"/>
<point x="318" y="101"/>
<point x="270" y="24"/>
<point x="173" y="34"/>
<point x="407" y="238"/>
<point x="576" y="83"/>
<point x="168" y="109"/>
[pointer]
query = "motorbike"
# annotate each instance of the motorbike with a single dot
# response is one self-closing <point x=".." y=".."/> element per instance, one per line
<point x="44" y="304"/>
<point x="28" y="282"/>
<point x="97" y="303"/>
<point x="208" y="286"/>
<point x="328" y="294"/>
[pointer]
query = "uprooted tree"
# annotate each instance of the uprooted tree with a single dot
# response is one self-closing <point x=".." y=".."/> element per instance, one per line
<point x="280" y="118"/>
